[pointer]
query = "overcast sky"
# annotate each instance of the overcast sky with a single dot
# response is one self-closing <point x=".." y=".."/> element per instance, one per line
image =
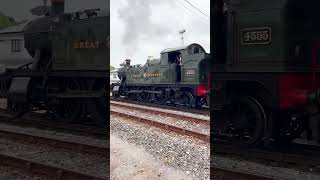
<point x="20" y="9"/>
<point x="142" y="28"/>
<point x="139" y="28"/>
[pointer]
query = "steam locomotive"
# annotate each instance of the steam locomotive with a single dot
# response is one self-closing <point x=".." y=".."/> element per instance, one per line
<point x="265" y="71"/>
<point x="68" y="74"/>
<point x="178" y="77"/>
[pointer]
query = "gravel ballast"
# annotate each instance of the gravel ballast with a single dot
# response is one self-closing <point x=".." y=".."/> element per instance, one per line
<point x="184" y="113"/>
<point x="182" y="152"/>
<point x="88" y="163"/>
<point x="138" y="164"/>
<point x="9" y="173"/>
<point x="181" y="123"/>
<point x="80" y="162"/>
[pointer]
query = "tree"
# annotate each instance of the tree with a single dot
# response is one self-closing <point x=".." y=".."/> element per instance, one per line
<point x="6" y="21"/>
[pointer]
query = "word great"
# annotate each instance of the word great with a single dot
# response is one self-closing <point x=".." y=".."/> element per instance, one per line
<point x="86" y="45"/>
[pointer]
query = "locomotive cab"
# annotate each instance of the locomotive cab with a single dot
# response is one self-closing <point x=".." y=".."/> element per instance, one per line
<point x="172" y="59"/>
<point x="187" y="64"/>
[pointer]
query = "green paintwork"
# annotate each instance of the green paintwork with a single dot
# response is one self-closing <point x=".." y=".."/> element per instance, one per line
<point x="165" y="72"/>
<point x="68" y="51"/>
<point x="294" y="28"/>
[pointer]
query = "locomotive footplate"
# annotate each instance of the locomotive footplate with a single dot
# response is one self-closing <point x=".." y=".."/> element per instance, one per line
<point x="154" y="92"/>
<point x="80" y="94"/>
<point x="135" y="91"/>
<point x="57" y="73"/>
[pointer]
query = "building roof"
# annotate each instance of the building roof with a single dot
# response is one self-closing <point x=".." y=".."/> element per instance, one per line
<point x="14" y="29"/>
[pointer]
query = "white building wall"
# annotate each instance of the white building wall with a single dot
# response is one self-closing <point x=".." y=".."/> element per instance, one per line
<point x="114" y="76"/>
<point x="9" y="59"/>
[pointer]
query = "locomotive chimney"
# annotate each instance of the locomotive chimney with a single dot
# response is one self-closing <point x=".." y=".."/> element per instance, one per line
<point x="57" y="7"/>
<point x="127" y="62"/>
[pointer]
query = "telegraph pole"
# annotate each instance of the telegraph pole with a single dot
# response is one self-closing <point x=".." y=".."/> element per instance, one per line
<point x="182" y="38"/>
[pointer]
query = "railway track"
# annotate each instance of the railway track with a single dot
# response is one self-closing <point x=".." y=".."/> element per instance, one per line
<point x="203" y="111"/>
<point x="223" y="173"/>
<point x="205" y="121"/>
<point x="55" y="142"/>
<point x="161" y="125"/>
<point x="49" y="170"/>
<point x="41" y="121"/>
<point x="28" y="164"/>
<point x="291" y="157"/>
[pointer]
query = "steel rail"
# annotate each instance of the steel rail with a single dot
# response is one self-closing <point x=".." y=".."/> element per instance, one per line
<point x="55" y="142"/>
<point x="168" y="114"/>
<point x="166" y="127"/>
<point x="224" y="173"/>
<point x="41" y="168"/>
<point x="38" y="121"/>
<point x="202" y="111"/>
<point x="260" y="154"/>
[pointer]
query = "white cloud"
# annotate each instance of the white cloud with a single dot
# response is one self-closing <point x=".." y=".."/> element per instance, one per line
<point x="142" y="28"/>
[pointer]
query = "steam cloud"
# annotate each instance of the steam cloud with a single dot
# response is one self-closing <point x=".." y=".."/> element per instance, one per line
<point x="136" y="15"/>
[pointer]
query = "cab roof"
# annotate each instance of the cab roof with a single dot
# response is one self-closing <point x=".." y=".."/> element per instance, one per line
<point x="181" y="48"/>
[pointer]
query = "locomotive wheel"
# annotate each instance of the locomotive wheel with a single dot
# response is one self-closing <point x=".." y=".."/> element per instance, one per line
<point x="249" y="120"/>
<point x="98" y="110"/>
<point x="160" y="98"/>
<point x="114" y="95"/>
<point x="143" y="96"/>
<point x="286" y="127"/>
<point x="132" y="96"/>
<point x="69" y="110"/>
<point x="200" y="101"/>
<point x="187" y="99"/>
<point x="98" y="106"/>
<point x="172" y="97"/>
<point x="16" y="109"/>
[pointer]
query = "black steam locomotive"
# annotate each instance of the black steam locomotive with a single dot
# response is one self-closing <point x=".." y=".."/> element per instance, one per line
<point x="265" y="83"/>
<point x="68" y="74"/>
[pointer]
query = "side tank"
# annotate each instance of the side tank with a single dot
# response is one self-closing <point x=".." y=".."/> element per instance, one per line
<point x="80" y="40"/>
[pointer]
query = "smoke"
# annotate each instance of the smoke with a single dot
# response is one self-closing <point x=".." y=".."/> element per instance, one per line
<point x="136" y="15"/>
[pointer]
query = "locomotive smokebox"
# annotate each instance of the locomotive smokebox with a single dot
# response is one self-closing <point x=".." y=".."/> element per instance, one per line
<point x="57" y="7"/>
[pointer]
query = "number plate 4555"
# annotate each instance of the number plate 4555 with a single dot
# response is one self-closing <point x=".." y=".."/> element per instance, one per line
<point x="256" y="36"/>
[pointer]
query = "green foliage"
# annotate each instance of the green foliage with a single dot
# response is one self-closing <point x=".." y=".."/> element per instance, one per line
<point x="5" y="22"/>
